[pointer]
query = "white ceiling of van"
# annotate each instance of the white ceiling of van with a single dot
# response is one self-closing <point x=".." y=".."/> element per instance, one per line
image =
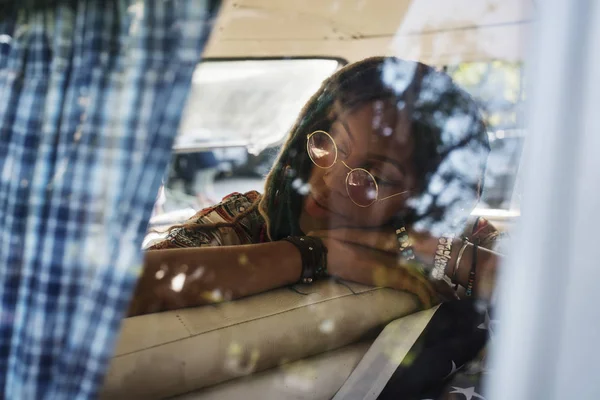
<point x="433" y="31"/>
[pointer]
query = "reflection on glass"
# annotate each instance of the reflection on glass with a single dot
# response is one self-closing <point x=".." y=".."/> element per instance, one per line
<point x="375" y="184"/>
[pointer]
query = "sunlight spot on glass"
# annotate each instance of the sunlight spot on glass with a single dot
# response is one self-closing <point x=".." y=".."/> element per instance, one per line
<point x="177" y="282"/>
<point x="160" y="274"/>
<point x="137" y="9"/>
<point x="240" y="360"/>
<point x="319" y="153"/>
<point x="300" y="186"/>
<point x="243" y="259"/>
<point x="197" y="273"/>
<point x="327" y="326"/>
<point x="83" y="101"/>
<point x="234" y="349"/>
<point x="304" y="189"/>
<point x="371" y="194"/>
<point x="8" y="167"/>
<point x="289" y="171"/>
<point x="387" y="131"/>
<point x="214" y="296"/>
<point x="376" y="122"/>
<point x="397" y="76"/>
<point x="4" y="38"/>
<point x="300" y="377"/>
<point x="60" y="171"/>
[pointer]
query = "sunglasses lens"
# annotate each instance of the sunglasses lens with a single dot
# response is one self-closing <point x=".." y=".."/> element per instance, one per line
<point x="361" y="187"/>
<point x="321" y="149"/>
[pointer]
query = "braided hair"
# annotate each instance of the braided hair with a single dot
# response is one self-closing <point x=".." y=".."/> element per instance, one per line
<point x="451" y="144"/>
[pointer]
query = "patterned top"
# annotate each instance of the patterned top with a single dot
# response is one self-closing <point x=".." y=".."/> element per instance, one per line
<point x="250" y="228"/>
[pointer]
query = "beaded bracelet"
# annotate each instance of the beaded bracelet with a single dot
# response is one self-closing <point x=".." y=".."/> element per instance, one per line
<point x="314" y="257"/>
<point x="471" y="281"/>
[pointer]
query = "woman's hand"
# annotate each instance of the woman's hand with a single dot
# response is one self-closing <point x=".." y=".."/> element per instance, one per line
<point x="363" y="257"/>
<point x="386" y="241"/>
<point x="382" y="240"/>
<point x="344" y="258"/>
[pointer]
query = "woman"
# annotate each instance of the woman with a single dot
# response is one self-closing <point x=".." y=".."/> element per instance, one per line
<point x="374" y="184"/>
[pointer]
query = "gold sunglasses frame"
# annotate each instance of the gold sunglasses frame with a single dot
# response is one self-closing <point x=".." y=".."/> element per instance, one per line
<point x="349" y="172"/>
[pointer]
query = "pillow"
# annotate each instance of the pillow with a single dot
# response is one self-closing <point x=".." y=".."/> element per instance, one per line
<point x="175" y="352"/>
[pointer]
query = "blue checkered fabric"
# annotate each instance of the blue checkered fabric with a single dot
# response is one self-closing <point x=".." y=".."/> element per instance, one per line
<point x="91" y="94"/>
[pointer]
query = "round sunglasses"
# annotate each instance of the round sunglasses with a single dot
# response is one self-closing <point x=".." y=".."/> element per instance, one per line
<point x="361" y="185"/>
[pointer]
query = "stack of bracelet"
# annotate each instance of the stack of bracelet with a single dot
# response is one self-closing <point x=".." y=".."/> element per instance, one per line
<point x="314" y="257"/>
<point x="471" y="279"/>
<point x="458" y="260"/>
<point x="442" y="257"/>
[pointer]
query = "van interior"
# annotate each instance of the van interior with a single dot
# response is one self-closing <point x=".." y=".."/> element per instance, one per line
<point x="263" y="61"/>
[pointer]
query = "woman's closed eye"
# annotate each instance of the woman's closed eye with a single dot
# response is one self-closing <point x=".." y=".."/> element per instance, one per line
<point x="386" y="176"/>
<point x="382" y="181"/>
<point x="343" y="151"/>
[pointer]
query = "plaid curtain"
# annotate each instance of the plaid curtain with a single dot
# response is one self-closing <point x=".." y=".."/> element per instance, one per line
<point x="91" y="94"/>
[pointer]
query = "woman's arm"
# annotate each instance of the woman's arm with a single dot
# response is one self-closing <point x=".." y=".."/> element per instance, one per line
<point x="178" y="278"/>
<point x="425" y="247"/>
<point x="373" y="267"/>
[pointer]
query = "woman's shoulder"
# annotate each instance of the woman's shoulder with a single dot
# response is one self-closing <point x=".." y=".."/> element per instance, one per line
<point x="230" y="206"/>
<point x="233" y="221"/>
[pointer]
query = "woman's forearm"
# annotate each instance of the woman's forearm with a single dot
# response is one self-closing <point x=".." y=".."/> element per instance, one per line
<point x="178" y="278"/>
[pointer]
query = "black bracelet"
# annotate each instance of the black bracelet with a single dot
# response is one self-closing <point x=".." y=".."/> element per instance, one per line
<point x="471" y="282"/>
<point x="314" y="257"/>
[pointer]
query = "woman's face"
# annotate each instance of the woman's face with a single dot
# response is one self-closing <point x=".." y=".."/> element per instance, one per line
<point x="375" y="137"/>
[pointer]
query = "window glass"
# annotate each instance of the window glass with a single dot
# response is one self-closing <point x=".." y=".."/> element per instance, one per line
<point x="330" y="151"/>
<point x="250" y="103"/>
<point x="239" y="112"/>
<point x="237" y="116"/>
<point x="499" y="90"/>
